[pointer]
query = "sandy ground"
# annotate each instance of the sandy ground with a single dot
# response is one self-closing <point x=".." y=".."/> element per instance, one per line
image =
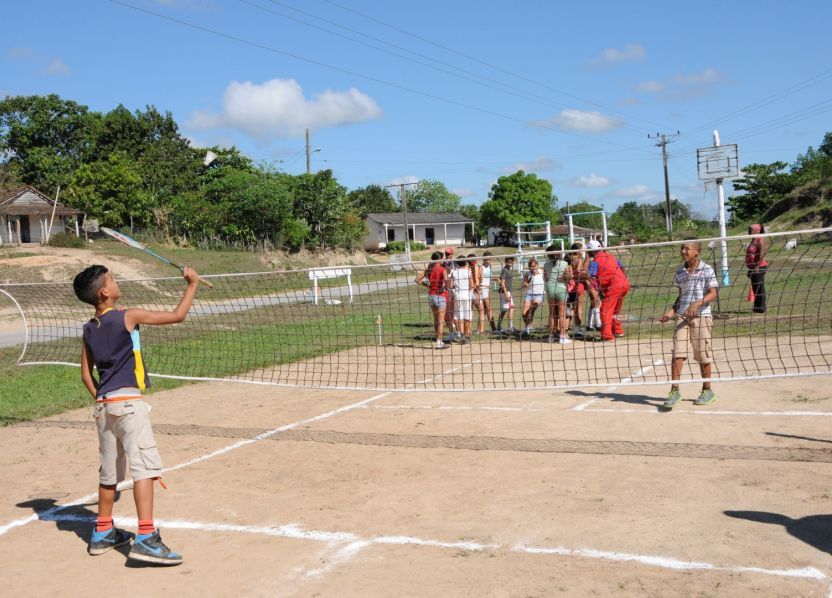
<point x="278" y="492"/>
<point x="54" y="263"/>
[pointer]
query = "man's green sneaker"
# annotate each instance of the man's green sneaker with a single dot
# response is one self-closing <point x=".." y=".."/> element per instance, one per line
<point x="672" y="399"/>
<point x="706" y="397"/>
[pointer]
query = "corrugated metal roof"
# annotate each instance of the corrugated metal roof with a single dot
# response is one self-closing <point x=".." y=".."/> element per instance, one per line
<point x="397" y="218"/>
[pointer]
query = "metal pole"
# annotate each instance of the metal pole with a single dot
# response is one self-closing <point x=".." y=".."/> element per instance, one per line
<point x="406" y="229"/>
<point x="669" y="215"/>
<point x="726" y="277"/>
<point x="571" y="229"/>
<point x="604" y="228"/>
<point x="308" y="155"/>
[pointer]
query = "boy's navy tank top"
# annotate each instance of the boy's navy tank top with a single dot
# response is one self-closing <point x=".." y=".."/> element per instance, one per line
<point x="117" y="353"/>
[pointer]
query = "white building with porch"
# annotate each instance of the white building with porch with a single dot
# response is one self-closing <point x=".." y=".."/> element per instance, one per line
<point x="430" y="228"/>
<point x="28" y="216"/>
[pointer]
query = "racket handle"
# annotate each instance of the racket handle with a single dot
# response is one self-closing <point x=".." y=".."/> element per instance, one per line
<point x="206" y="283"/>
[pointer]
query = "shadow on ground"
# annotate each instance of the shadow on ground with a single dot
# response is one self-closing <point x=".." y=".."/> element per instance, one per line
<point x="815" y="530"/>
<point x="617" y="397"/>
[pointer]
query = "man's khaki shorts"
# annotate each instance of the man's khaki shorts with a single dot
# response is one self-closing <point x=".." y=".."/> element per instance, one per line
<point x="125" y="434"/>
<point x="696" y="332"/>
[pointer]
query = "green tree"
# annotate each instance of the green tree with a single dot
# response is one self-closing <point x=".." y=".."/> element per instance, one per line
<point x="587" y="220"/>
<point x="372" y="199"/>
<point x="46" y="138"/>
<point x="519" y="197"/>
<point x="109" y="190"/>
<point x="320" y="202"/>
<point x="473" y="212"/>
<point x="763" y="184"/>
<point x="432" y="196"/>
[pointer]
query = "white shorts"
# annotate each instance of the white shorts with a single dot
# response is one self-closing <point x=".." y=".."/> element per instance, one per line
<point x="506" y="302"/>
<point x="462" y="308"/>
<point x="534" y="297"/>
<point x="484" y="292"/>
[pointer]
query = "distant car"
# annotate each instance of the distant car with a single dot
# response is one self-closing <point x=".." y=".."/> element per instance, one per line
<point x="505" y="238"/>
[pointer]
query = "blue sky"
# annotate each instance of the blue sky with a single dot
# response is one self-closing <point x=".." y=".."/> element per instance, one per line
<point x="458" y="91"/>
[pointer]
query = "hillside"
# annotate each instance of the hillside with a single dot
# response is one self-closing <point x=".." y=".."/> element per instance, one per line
<point x="808" y="206"/>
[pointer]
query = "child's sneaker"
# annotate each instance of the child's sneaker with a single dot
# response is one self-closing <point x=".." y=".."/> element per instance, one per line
<point x="441" y="345"/>
<point x="151" y="549"/>
<point x="551" y="339"/>
<point x="101" y="542"/>
<point x="672" y="399"/>
<point x="565" y="340"/>
<point x="706" y="397"/>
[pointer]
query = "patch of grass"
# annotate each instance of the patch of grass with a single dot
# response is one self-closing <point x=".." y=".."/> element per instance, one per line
<point x="32" y="392"/>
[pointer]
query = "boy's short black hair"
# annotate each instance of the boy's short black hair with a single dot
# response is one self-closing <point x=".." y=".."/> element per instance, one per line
<point x="88" y="283"/>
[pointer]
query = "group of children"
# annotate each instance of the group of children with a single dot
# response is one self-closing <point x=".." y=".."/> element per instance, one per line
<point x="458" y="287"/>
<point x="112" y="349"/>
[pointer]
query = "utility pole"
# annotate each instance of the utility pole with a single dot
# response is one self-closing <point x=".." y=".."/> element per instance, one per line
<point x="403" y="202"/>
<point x="309" y="155"/>
<point x="665" y="139"/>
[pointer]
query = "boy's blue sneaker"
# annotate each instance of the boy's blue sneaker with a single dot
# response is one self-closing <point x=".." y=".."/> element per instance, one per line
<point x="150" y="549"/>
<point x="101" y="542"/>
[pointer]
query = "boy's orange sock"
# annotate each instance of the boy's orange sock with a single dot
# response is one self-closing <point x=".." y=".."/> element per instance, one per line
<point x="103" y="524"/>
<point x="146" y="527"/>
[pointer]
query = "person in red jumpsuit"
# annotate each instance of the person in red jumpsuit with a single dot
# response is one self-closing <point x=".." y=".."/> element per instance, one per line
<point x="614" y="286"/>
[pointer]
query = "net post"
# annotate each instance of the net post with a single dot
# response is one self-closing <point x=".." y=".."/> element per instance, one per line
<point x="604" y="228"/>
<point x="726" y="277"/>
<point x="571" y="229"/>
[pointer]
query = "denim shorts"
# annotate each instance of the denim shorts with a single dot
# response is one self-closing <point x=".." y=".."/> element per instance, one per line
<point x="437" y="301"/>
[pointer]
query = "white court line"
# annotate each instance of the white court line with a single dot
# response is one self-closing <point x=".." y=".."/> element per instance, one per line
<point x="697" y="412"/>
<point x="453" y="408"/>
<point x="25" y="520"/>
<point x="349" y="545"/>
<point x="628" y="380"/>
<point x="5" y="528"/>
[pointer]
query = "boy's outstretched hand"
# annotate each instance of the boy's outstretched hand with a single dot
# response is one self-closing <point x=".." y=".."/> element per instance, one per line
<point x="190" y="275"/>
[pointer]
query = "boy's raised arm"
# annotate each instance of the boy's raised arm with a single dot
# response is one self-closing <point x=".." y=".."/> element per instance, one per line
<point x="143" y="316"/>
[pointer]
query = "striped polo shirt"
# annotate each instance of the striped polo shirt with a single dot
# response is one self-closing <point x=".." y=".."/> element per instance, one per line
<point x="116" y="352"/>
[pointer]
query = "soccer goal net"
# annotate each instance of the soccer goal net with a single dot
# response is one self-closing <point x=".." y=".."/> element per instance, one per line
<point x="376" y="330"/>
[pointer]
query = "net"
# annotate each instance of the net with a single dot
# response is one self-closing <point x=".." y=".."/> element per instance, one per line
<point x="371" y="327"/>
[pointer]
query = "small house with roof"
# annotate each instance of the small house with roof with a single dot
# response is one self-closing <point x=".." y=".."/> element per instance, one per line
<point x="26" y="216"/>
<point x="430" y="228"/>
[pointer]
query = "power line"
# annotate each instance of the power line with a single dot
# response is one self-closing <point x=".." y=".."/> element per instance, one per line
<point x="467" y="76"/>
<point x="457" y="103"/>
<point x="479" y="61"/>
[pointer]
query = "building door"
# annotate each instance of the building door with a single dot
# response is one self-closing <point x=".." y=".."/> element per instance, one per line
<point x="391" y="235"/>
<point x="429" y="236"/>
<point x="25" y="236"/>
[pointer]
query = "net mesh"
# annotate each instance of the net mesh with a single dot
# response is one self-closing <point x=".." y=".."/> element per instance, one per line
<point x="374" y="329"/>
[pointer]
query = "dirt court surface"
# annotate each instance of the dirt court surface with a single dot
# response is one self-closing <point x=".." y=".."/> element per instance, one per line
<point x="280" y="492"/>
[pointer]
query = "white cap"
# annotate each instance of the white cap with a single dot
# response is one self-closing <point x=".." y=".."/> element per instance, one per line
<point x="593" y="244"/>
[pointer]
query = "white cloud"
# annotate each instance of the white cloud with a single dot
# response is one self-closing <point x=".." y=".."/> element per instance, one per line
<point x="539" y="164"/>
<point x="464" y="192"/>
<point x="682" y="86"/>
<point x="405" y="180"/>
<point x="21" y="53"/>
<point x="650" y="87"/>
<point x="585" y="121"/>
<point x="56" y="67"/>
<point x="630" y="52"/>
<point x="633" y="191"/>
<point x="278" y="108"/>
<point x="590" y="180"/>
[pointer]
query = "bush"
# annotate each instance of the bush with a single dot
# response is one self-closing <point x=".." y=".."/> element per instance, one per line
<point x="66" y="240"/>
<point x="398" y="246"/>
